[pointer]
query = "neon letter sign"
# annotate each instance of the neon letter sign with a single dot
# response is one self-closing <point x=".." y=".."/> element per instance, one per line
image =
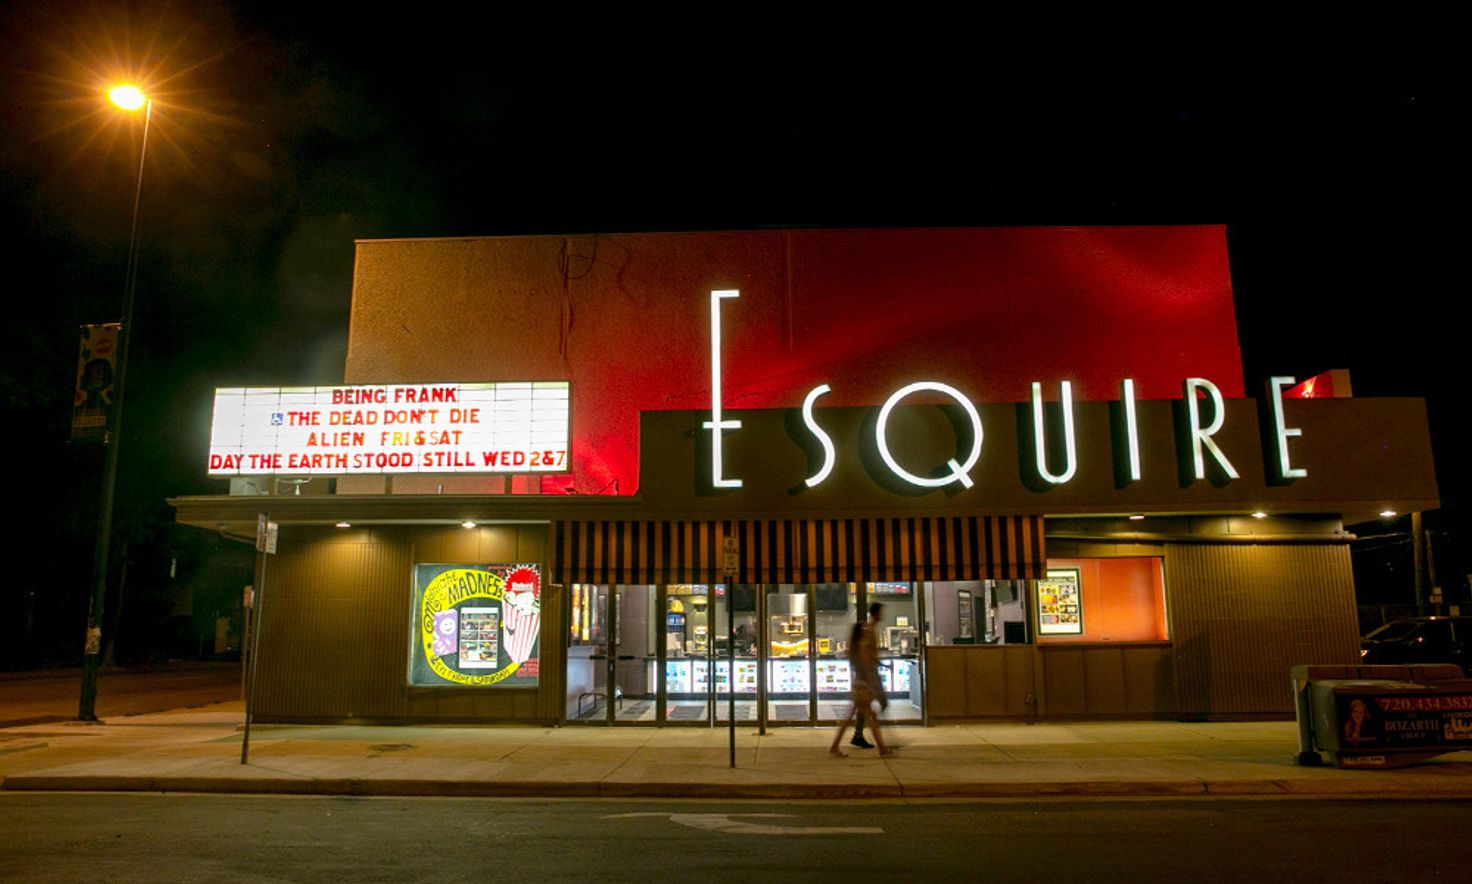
<point x="1131" y="426"/>
<point x="1070" y="452"/>
<point x="716" y="425"/>
<point x="829" y="455"/>
<point x="1282" y="433"/>
<point x="1201" y="436"/>
<point x="958" y="471"/>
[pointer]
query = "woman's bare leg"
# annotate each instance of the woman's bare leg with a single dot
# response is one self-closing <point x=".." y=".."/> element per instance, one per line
<point x="878" y="735"/>
<point x="842" y="728"/>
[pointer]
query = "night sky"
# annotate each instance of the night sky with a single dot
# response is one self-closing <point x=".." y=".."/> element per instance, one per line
<point x="280" y="136"/>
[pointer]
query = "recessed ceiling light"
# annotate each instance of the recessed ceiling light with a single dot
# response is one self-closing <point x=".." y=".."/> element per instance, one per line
<point x="1137" y="517"/>
<point x="467" y="524"/>
<point x="1259" y="515"/>
<point x="344" y="524"/>
<point x="1387" y="514"/>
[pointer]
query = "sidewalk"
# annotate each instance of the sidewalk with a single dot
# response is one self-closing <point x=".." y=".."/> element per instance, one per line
<point x="199" y="751"/>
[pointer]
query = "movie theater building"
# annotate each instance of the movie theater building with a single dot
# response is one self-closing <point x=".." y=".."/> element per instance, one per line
<point x="610" y="479"/>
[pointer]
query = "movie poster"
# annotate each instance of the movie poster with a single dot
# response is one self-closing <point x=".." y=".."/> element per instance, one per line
<point x="476" y="625"/>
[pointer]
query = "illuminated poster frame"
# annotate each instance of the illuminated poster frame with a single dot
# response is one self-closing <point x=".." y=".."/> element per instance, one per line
<point x="1060" y="602"/>
<point x="476" y="625"/>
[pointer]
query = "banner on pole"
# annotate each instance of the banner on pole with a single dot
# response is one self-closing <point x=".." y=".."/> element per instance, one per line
<point x="96" y="373"/>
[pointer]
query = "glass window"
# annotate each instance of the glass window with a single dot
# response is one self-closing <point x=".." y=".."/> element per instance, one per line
<point x="1098" y="600"/>
<point x="837" y="611"/>
<point x="837" y="605"/>
<point x="587" y="652"/>
<point x="976" y="612"/>
<point x="1392" y="631"/>
<point x="589" y="605"/>
<point x="898" y="638"/>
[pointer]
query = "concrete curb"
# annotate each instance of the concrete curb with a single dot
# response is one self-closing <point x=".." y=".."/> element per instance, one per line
<point x="112" y="671"/>
<point x="420" y="788"/>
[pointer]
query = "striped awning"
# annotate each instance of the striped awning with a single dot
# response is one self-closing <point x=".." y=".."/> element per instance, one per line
<point x="799" y="551"/>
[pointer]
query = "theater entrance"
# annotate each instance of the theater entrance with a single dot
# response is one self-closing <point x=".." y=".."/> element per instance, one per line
<point x="646" y="654"/>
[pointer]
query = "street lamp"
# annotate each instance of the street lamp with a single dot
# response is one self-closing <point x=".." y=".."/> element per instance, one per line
<point x="131" y="99"/>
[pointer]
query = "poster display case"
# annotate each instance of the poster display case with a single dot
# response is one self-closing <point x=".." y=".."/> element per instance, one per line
<point x="834" y="677"/>
<point x="788" y="677"/>
<point x="480" y="638"/>
<point x="1060" y="603"/>
<point x="745" y="676"/>
<point x="679" y="676"/>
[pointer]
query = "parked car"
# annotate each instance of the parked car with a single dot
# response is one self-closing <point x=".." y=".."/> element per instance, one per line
<point x="1420" y="640"/>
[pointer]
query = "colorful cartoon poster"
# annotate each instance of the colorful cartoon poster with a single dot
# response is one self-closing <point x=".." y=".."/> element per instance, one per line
<point x="446" y="632"/>
<point x="476" y="625"/>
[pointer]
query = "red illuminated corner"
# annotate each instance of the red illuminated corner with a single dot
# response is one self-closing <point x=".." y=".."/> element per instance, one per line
<point x="1331" y="384"/>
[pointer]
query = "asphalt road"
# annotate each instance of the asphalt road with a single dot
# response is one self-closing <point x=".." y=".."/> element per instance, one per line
<point x="153" y="838"/>
<point x="42" y="698"/>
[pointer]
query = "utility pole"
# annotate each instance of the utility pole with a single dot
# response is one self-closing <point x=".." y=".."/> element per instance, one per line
<point x="112" y="441"/>
<point x="1418" y="543"/>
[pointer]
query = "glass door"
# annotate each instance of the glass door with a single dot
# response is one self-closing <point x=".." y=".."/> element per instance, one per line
<point x="587" y="653"/>
<point x="789" y="647"/>
<point x="687" y="648"/>
<point x="898" y="637"/>
<point x="736" y="603"/>
<point x="837" y="610"/>
<point x="636" y="655"/>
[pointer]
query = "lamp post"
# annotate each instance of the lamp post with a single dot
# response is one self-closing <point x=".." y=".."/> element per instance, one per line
<point x="130" y="99"/>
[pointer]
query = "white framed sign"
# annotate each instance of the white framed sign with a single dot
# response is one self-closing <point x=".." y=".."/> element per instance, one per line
<point x="520" y="427"/>
<point x="1060" y="603"/>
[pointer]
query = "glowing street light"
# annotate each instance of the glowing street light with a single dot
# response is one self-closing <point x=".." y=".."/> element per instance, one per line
<point x="131" y="99"/>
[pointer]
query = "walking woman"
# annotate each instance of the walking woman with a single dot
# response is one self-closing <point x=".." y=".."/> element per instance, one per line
<point x="868" y="692"/>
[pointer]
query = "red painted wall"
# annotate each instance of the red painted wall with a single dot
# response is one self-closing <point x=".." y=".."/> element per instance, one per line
<point x="625" y="318"/>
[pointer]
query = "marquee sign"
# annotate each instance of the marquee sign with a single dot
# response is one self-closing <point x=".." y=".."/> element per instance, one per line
<point x="517" y="427"/>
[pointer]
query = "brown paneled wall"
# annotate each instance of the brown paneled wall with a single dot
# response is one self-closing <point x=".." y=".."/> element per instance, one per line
<point x="1062" y="681"/>
<point x="337" y="626"/>
<point x="1243" y="615"/>
<point x="1108" y="681"/>
<point x="976" y="682"/>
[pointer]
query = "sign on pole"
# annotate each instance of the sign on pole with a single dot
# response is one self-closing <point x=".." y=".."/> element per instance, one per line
<point x="266" y="532"/>
<point x="95" y="389"/>
<point x="731" y="552"/>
